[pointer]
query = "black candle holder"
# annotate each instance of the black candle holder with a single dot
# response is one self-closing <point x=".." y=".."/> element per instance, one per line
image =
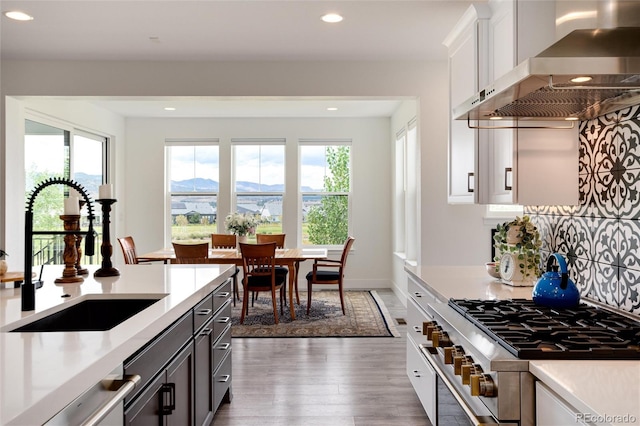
<point x="106" y="249"/>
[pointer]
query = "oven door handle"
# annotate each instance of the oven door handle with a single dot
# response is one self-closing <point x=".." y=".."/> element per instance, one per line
<point x="463" y="404"/>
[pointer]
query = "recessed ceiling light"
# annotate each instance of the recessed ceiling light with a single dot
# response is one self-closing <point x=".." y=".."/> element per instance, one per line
<point x="332" y="18"/>
<point x="332" y="109"/>
<point x="581" y="79"/>
<point x="18" y="16"/>
<point x="169" y="109"/>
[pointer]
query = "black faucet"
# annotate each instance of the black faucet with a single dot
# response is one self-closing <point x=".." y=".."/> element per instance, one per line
<point x="28" y="292"/>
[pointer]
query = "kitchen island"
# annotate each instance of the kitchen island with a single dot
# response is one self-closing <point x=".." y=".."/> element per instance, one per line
<point x="575" y="391"/>
<point x="42" y="372"/>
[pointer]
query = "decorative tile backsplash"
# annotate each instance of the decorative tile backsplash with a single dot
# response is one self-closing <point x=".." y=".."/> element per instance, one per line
<point x="600" y="238"/>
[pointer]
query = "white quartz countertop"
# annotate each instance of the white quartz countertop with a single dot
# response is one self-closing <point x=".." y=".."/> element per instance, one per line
<point x="602" y="392"/>
<point x="604" y="389"/>
<point x="40" y="373"/>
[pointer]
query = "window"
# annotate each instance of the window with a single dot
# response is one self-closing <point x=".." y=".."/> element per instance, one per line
<point x="325" y="188"/>
<point x="259" y="181"/>
<point x="399" y="193"/>
<point x="63" y="153"/>
<point x="193" y="181"/>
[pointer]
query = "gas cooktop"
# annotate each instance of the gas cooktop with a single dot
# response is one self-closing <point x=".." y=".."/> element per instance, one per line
<point x="530" y="331"/>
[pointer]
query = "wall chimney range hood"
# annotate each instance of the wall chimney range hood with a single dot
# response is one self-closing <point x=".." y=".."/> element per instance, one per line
<point x="541" y="88"/>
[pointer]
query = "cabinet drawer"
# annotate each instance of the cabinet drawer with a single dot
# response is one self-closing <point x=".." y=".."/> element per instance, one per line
<point x="202" y="313"/>
<point x="221" y="347"/>
<point x="221" y="295"/>
<point x="222" y="381"/>
<point x="154" y="356"/>
<point x="221" y="320"/>
<point x="415" y="318"/>
<point x="422" y="378"/>
<point x="418" y="293"/>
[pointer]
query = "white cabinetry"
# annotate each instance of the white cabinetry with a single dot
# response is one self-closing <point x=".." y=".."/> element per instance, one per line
<point x="467" y="74"/>
<point x="421" y="375"/>
<point x="551" y="410"/>
<point x="524" y="166"/>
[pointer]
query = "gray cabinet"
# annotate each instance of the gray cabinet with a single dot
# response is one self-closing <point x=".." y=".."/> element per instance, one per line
<point x="186" y="370"/>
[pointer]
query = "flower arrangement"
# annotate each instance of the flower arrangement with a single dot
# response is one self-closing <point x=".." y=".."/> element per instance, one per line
<point x="241" y="223"/>
<point x="3" y="254"/>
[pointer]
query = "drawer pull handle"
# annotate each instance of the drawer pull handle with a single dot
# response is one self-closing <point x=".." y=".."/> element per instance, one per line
<point x="223" y="294"/>
<point x="205" y="332"/>
<point x="204" y="312"/>
<point x="224" y="320"/>
<point x="224" y="378"/>
<point x="417" y="329"/>
<point x="224" y="346"/>
<point x="417" y="294"/>
<point x="170" y="389"/>
<point x="416" y="373"/>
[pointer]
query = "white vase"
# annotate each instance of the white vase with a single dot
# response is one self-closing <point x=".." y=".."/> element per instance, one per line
<point x="3" y="267"/>
<point x="241" y="239"/>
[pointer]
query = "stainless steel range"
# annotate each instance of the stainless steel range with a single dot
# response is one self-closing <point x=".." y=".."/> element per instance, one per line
<point x="479" y="352"/>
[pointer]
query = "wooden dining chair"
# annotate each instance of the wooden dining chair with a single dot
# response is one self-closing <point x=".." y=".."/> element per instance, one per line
<point x="333" y="276"/>
<point x="129" y="253"/>
<point x="227" y="241"/>
<point x="280" y="270"/>
<point x="259" y="268"/>
<point x="190" y="253"/>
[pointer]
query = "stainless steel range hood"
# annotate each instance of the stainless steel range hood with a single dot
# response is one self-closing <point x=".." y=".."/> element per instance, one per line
<point x="540" y="88"/>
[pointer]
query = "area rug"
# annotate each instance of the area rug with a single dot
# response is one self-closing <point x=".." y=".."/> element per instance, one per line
<point x="366" y="316"/>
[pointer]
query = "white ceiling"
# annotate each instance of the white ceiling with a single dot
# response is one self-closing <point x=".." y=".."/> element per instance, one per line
<point x="238" y="30"/>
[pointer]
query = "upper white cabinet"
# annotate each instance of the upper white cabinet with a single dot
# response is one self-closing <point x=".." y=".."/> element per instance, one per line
<point x="468" y="67"/>
<point x="524" y="166"/>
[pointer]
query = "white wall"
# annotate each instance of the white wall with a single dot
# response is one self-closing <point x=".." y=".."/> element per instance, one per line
<point x="369" y="263"/>
<point x="452" y="235"/>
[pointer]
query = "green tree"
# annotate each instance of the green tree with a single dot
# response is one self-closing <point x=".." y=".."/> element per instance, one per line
<point x="48" y="205"/>
<point x="328" y="222"/>
<point x="194" y="218"/>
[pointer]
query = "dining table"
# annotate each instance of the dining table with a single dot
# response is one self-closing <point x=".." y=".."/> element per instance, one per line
<point x="289" y="257"/>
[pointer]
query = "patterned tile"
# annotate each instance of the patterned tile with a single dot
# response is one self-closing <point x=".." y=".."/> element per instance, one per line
<point x="605" y="242"/>
<point x="627" y="140"/>
<point x="605" y="284"/>
<point x="629" y="290"/>
<point x="627" y="189"/>
<point x="629" y="243"/>
<point x="600" y="238"/>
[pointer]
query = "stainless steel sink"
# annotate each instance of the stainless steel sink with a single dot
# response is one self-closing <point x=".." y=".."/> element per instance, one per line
<point x="89" y="315"/>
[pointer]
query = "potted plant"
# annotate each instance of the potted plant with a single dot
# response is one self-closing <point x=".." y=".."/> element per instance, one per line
<point x="3" y="263"/>
<point x="521" y="237"/>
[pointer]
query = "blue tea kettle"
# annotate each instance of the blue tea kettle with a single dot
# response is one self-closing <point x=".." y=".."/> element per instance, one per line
<point x="554" y="289"/>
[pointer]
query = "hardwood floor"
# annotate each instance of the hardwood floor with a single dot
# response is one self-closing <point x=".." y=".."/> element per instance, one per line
<point x="323" y="381"/>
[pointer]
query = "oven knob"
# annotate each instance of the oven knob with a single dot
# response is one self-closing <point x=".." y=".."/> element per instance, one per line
<point x="459" y="361"/>
<point x="430" y="329"/>
<point x="452" y="351"/>
<point x="468" y="370"/>
<point x="482" y="385"/>
<point x="441" y="339"/>
<point x="448" y="355"/>
<point x="426" y="325"/>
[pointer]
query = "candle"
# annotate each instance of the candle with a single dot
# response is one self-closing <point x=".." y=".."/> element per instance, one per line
<point x="106" y="192"/>
<point x="71" y="205"/>
<point x="74" y="193"/>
